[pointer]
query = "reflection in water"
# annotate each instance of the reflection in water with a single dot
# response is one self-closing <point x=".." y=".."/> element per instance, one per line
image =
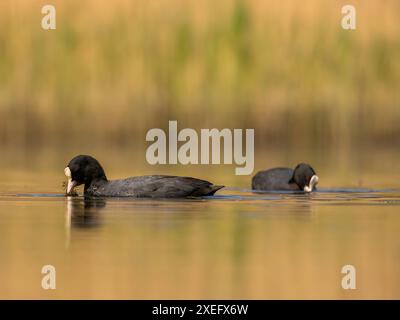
<point x="82" y="212"/>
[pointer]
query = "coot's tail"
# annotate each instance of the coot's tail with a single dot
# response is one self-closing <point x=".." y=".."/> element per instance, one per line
<point x="213" y="189"/>
<point x="205" y="190"/>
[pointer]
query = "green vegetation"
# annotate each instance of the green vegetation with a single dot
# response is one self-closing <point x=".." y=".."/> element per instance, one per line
<point x="113" y="70"/>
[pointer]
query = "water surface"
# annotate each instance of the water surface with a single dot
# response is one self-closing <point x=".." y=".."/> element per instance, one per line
<point x="236" y="245"/>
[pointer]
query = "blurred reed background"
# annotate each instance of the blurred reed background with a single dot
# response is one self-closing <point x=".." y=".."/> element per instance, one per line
<point x="114" y="69"/>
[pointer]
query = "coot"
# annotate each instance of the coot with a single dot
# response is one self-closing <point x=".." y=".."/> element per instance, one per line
<point x="302" y="178"/>
<point x="87" y="170"/>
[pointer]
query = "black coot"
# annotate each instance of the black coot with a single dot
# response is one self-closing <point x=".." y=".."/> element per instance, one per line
<point x="87" y="171"/>
<point x="302" y="178"/>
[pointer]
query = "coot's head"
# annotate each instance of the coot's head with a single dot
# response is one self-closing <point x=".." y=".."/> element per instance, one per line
<point x="304" y="176"/>
<point x="83" y="170"/>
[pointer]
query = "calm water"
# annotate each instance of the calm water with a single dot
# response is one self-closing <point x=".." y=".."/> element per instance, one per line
<point x="235" y="245"/>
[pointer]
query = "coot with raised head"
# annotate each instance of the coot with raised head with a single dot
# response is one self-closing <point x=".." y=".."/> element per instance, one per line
<point x="86" y="170"/>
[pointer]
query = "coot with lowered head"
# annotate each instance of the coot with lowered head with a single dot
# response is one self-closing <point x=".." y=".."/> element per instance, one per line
<point x="302" y="178"/>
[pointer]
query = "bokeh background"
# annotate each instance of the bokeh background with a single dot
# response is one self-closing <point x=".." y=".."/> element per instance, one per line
<point x="113" y="70"/>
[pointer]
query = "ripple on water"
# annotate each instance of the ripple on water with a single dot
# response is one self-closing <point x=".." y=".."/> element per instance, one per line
<point x="327" y="196"/>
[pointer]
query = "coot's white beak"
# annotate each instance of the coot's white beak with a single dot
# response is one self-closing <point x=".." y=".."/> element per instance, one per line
<point x="71" y="183"/>
<point x="313" y="182"/>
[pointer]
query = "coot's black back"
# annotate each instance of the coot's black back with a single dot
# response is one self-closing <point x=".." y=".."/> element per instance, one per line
<point x="155" y="187"/>
<point x="274" y="179"/>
